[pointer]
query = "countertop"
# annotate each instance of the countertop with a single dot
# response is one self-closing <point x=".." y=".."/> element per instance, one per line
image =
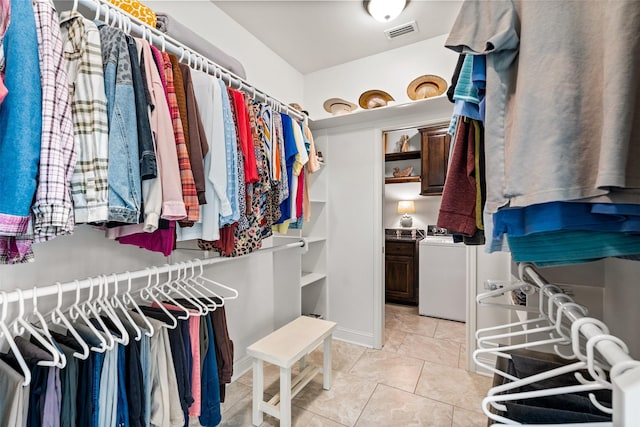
<point x="391" y="235"/>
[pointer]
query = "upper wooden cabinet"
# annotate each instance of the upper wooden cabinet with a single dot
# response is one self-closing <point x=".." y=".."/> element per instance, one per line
<point x="435" y="157"/>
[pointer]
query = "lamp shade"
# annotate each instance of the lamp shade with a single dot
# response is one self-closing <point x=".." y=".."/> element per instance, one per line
<point x="385" y="10"/>
<point x="406" y="207"/>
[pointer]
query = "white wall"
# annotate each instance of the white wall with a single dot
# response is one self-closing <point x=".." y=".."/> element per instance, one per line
<point x="266" y="70"/>
<point x="355" y="199"/>
<point x="621" y="302"/>
<point x="391" y="71"/>
<point x="427" y="207"/>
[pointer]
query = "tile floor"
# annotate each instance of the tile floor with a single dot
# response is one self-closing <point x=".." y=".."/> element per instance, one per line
<point x="417" y="379"/>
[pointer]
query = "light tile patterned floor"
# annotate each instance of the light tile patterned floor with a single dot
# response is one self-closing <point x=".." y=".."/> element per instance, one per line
<point x="417" y="379"/>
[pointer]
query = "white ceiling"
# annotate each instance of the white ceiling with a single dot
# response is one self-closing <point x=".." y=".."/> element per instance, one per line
<point x="312" y="35"/>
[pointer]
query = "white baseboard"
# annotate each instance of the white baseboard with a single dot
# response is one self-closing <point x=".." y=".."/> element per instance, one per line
<point x="241" y="367"/>
<point x="353" y="337"/>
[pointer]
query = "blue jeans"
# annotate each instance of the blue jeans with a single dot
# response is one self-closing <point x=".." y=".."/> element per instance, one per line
<point x="210" y="414"/>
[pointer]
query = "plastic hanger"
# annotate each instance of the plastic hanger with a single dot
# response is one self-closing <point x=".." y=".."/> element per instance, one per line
<point x="106" y="308"/>
<point x="502" y="350"/>
<point x="182" y="289"/>
<point x="58" y="317"/>
<point x="74" y="8"/>
<point x="160" y="288"/>
<point x="39" y="319"/>
<point x="200" y="278"/>
<point x="496" y="394"/>
<point x="4" y="331"/>
<point x="91" y="310"/>
<point x="194" y="286"/>
<point x="76" y="312"/>
<point x="147" y="295"/>
<point x="130" y="302"/>
<point x="117" y="304"/>
<point x="19" y="327"/>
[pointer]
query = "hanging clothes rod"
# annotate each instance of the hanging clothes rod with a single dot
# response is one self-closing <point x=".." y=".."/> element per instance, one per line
<point x="137" y="274"/>
<point x="171" y="45"/>
<point x="612" y="352"/>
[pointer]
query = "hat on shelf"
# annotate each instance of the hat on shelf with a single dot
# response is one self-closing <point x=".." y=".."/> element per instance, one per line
<point x="374" y="98"/>
<point x="297" y="106"/>
<point x="426" y="86"/>
<point x="338" y="106"/>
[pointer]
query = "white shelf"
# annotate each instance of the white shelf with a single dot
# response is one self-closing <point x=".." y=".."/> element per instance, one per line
<point x="317" y="201"/>
<point x="309" y="278"/>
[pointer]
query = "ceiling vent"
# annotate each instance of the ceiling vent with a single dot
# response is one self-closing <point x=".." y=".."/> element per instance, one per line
<point x="401" y="30"/>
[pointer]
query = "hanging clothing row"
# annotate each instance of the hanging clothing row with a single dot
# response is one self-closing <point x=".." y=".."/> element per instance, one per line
<point x="119" y="134"/>
<point x="557" y="366"/>
<point x="543" y="160"/>
<point x="105" y="360"/>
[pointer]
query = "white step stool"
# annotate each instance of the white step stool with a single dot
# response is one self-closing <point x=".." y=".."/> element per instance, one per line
<point x="283" y="348"/>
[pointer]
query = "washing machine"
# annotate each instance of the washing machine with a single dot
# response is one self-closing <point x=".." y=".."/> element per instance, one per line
<point x="442" y="278"/>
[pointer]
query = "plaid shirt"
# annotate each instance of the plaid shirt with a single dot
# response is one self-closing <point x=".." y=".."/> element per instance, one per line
<point x="89" y="185"/>
<point x="53" y="206"/>
<point x="189" y="193"/>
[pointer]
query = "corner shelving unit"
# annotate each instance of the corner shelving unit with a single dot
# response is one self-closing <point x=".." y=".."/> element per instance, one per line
<point x="313" y="281"/>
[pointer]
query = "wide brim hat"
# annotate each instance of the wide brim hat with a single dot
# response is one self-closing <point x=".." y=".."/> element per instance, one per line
<point x="426" y="86"/>
<point x="374" y="98"/>
<point x="337" y="106"/>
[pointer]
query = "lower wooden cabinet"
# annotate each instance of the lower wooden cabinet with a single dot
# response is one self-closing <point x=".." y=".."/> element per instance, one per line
<point x="401" y="271"/>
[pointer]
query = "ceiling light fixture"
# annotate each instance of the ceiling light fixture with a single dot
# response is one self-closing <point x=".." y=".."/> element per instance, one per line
<point x="384" y="10"/>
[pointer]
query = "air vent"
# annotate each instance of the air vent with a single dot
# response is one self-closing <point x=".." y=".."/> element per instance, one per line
<point x="400" y="30"/>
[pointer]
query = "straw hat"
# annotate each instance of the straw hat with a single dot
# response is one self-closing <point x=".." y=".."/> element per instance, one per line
<point x="298" y="107"/>
<point x="338" y="106"/>
<point x="374" y="98"/>
<point x="426" y="86"/>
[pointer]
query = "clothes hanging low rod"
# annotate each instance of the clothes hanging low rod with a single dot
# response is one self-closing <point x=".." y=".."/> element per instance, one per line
<point x="137" y="274"/>
<point x="171" y="45"/>
<point x="611" y="351"/>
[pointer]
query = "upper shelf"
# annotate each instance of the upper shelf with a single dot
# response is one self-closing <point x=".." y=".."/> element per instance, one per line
<point x="402" y="156"/>
<point x="431" y="110"/>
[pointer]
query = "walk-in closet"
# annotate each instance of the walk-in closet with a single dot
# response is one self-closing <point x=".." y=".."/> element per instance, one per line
<point x="319" y="213"/>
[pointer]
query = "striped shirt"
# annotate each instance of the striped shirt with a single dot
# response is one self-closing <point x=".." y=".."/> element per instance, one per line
<point x="89" y="185"/>
<point x="53" y="206"/>
<point x="189" y="193"/>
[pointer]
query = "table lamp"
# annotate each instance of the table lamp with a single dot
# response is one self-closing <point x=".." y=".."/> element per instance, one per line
<point x="406" y="207"/>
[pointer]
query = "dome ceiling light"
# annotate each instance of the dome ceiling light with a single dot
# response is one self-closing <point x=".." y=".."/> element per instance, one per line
<point x="384" y="10"/>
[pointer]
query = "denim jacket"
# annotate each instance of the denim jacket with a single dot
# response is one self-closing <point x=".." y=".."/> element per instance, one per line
<point x="125" y="195"/>
<point x="20" y="120"/>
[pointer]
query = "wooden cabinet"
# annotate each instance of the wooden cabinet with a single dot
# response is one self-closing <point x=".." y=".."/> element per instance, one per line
<point x="401" y="271"/>
<point x="435" y="156"/>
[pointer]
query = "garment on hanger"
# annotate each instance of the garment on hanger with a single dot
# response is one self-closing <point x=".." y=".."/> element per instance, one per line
<point x="89" y="184"/>
<point x="503" y="44"/>
<point x="20" y="119"/>
<point x="189" y="194"/>
<point x="13" y="411"/>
